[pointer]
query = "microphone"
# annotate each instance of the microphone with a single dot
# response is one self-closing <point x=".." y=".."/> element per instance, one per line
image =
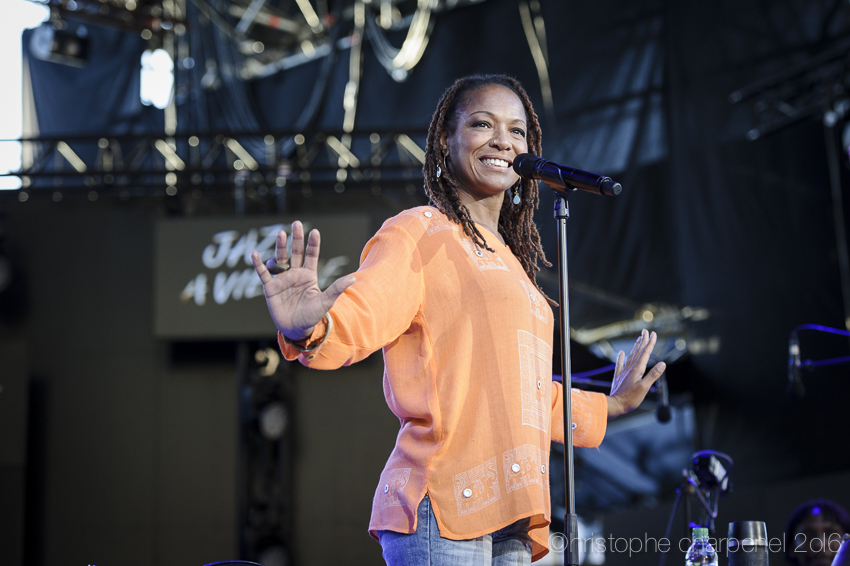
<point x="796" y="389"/>
<point x="662" y="411"/>
<point x="530" y="166"/>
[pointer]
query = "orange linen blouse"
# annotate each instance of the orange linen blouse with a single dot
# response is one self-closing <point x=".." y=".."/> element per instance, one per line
<point x="467" y="343"/>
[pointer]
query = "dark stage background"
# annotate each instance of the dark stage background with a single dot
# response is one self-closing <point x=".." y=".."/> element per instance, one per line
<point x="132" y="441"/>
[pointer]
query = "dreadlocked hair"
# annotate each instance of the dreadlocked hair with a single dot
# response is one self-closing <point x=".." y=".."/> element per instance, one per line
<point x="516" y="222"/>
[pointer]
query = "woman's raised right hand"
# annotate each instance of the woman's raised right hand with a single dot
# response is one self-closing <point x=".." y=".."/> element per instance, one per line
<point x="296" y="304"/>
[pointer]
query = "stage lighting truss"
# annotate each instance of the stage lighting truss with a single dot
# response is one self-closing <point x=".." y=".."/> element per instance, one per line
<point x="398" y="62"/>
<point x="270" y="36"/>
<point x="274" y="35"/>
<point x="818" y="87"/>
<point x="140" y="165"/>
<point x="306" y="36"/>
<point x="149" y="18"/>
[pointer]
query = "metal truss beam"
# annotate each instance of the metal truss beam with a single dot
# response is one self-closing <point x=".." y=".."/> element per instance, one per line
<point x="328" y="159"/>
<point x="813" y="88"/>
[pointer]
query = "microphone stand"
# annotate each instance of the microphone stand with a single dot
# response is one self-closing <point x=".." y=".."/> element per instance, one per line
<point x="562" y="213"/>
<point x="530" y="166"/>
<point x="795" y="384"/>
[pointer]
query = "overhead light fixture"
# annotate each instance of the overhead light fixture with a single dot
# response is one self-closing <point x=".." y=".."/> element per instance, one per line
<point x="310" y="15"/>
<point x="157" y="78"/>
<point x="272" y="551"/>
<point x="273" y="420"/>
<point x="60" y="45"/>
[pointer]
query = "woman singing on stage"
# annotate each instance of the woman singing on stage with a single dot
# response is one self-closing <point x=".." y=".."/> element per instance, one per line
<point x="449" y="292"/>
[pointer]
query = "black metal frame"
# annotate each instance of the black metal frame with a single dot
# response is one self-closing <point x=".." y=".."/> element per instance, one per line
<point x="331" y="159"/>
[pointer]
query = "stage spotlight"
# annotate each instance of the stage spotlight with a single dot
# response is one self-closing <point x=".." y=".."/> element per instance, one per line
<point x="273" y="554"/>
<point x="268" y="359"/>
<point x="273" y="420"/>
<point x="60" y="45"/>
<point x="157" y="79"/>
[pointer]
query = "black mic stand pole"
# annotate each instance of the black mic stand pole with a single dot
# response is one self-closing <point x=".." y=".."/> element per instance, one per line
<point x="562" y="213"/>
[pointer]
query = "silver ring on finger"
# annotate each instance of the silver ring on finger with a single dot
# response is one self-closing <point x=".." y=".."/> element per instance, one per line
<point x="276" y="268"/>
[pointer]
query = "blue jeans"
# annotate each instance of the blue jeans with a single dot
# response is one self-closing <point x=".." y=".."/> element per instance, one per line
<point x="510" y="546"/>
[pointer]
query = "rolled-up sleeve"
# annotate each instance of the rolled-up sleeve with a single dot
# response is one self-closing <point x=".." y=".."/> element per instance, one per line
<point x="589" y="414"/>
<point x="373" y="311"/>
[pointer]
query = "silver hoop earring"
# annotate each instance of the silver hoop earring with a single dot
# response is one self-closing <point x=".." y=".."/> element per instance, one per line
<point x="439" y="171"/>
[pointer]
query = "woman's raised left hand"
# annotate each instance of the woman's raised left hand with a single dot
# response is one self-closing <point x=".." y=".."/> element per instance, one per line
<point x="296" y="303"/>
<point x="631" y="380"/>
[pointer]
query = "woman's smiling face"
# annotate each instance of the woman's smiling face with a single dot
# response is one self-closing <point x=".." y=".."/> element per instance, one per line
<point x="489" y="131"/>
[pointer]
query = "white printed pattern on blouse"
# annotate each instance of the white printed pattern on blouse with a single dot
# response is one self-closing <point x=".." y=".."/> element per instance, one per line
<point x="394" y="485"/>
<point x="477" y="488"/>
<point x="539" y="307"/>
<point x="535" y="368"/>
<point x="482" y="258"/>
<point x="436" y="222"/>
<point x="525" y="465"/>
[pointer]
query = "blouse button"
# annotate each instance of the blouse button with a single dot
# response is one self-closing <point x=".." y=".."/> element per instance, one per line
<point x="533" y="298"/>
<point x="542" y="469"/>
<point x="311" y="356"/>
<point x="386" y="488"/>
<point x="575" y="426"/>
<point x="479" y="253"/>
<point x="539" y="384"/>
<point x="515" y="468"/>
<point x="427" y="214"/>
<point x="467" y="493"/>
